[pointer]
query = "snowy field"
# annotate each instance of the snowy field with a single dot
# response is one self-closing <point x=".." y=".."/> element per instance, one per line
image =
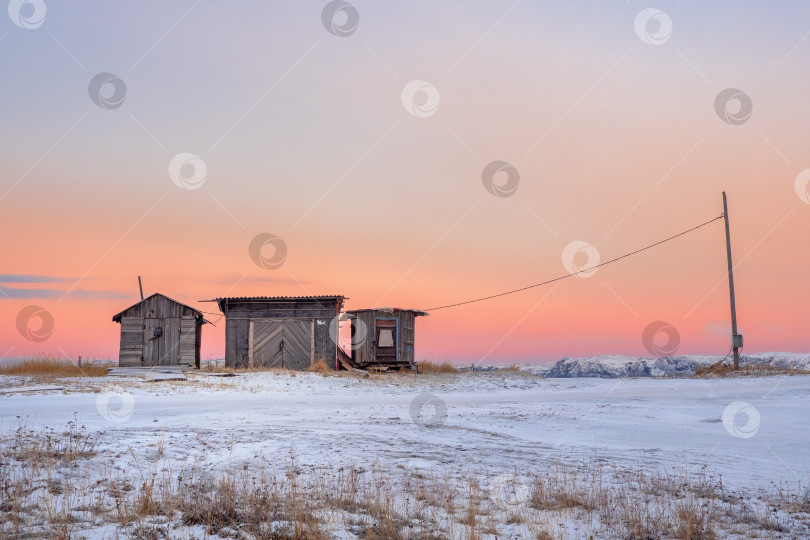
<point x="747" y="439"/>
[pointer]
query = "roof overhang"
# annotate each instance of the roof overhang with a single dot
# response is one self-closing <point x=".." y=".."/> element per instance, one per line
<point x="416" y="312"/>
<point x="224" y="301"/>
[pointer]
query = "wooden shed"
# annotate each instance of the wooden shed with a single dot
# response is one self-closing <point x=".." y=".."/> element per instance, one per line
<point x="389" y="337"/>
<point x="160" y="331"/>
<point x="279" y="331"/>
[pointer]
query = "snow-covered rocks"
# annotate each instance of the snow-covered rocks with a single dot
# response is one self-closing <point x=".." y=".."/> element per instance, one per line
<point x="613" y="366"/>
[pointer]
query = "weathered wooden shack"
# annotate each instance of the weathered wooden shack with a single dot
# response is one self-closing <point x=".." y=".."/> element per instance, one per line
<point x="389" y="337"/>
<point x="160" y="331"/>
<point x="279" y="331"/>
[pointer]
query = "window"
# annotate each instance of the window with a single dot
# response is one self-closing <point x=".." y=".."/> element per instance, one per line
<point x="386" y="338"/>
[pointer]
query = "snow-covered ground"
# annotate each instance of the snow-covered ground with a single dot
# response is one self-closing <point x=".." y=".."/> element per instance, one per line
<point x="753" y="432"/>
<point x="493" y="420"/>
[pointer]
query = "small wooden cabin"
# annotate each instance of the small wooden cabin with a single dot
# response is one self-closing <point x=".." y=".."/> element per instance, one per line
<point x="279" y="331"/>
<point x="160" y="331"/>
<point x="389" y="337"/>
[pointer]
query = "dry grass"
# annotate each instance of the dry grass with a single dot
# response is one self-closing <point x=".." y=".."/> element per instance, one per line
<point x="436" y="367"/>
<point x="320" y="367"/>
<point x="50" y="488"/>
<point x="726" y="369"/>
<point x="49" y="445"/>
<point x="252" y="369"/>
<point x="51" y="368"/>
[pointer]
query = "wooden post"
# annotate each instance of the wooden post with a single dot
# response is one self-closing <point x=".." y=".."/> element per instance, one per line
<point x="337" y="335"/>
<point x="80" y="362"/>
<point x="140" y="286"/>
<point x="736" y="339"/>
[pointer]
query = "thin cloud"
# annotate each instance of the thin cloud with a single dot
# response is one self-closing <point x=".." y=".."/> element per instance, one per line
<point x="29" y="278"/>
<point x="14" y="293"/>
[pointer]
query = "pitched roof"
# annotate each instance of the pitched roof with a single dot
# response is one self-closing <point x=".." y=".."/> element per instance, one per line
<point x="117" y="316"/>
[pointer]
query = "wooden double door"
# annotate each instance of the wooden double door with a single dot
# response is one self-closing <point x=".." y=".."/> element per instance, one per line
<point x="282" y="343"/>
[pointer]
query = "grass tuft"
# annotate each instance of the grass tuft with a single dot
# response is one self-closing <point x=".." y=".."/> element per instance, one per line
<point x="723" y="369"/>
<point x="320" y="367"/>
<point x="435" y="367"/>
<point x="51" y="368"/>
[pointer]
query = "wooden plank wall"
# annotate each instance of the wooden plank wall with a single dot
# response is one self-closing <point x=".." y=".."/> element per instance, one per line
<point x="131" y="350"/>
<point x="187" y="341"/>
<point x="406" y="337"/>
<point x="239" y="313"/>
<point x="197" y="343"/>
<point x="363" y="353"/>
<point x="236" y="342"/>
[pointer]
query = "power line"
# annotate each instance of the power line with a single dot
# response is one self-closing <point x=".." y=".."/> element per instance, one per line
<point x="578" y="271"/>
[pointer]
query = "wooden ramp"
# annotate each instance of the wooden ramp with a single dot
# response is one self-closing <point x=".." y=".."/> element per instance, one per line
<point x="347" y="363"/>
<point x="155" y="373"/>
<point x="32" y="388"/>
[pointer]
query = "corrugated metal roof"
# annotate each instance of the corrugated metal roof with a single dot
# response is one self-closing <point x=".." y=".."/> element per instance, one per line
<point x="277" y="298"/>
<point x="417" y="312"/>
<point x="224" y="301"/>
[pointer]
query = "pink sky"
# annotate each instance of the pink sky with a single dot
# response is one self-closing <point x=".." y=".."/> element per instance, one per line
<point x="304" y="135"/>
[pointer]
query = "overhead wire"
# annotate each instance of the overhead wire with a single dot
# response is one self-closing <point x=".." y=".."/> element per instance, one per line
<point x="584" y="270"/>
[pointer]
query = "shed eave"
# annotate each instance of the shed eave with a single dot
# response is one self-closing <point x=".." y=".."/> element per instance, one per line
<point x="223" y="302"/>
<point x="416" y="312"/>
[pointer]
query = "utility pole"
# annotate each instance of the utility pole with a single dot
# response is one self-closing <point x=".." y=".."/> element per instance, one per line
<point x="736" y="339"/>
<point x="141" y="286"/>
